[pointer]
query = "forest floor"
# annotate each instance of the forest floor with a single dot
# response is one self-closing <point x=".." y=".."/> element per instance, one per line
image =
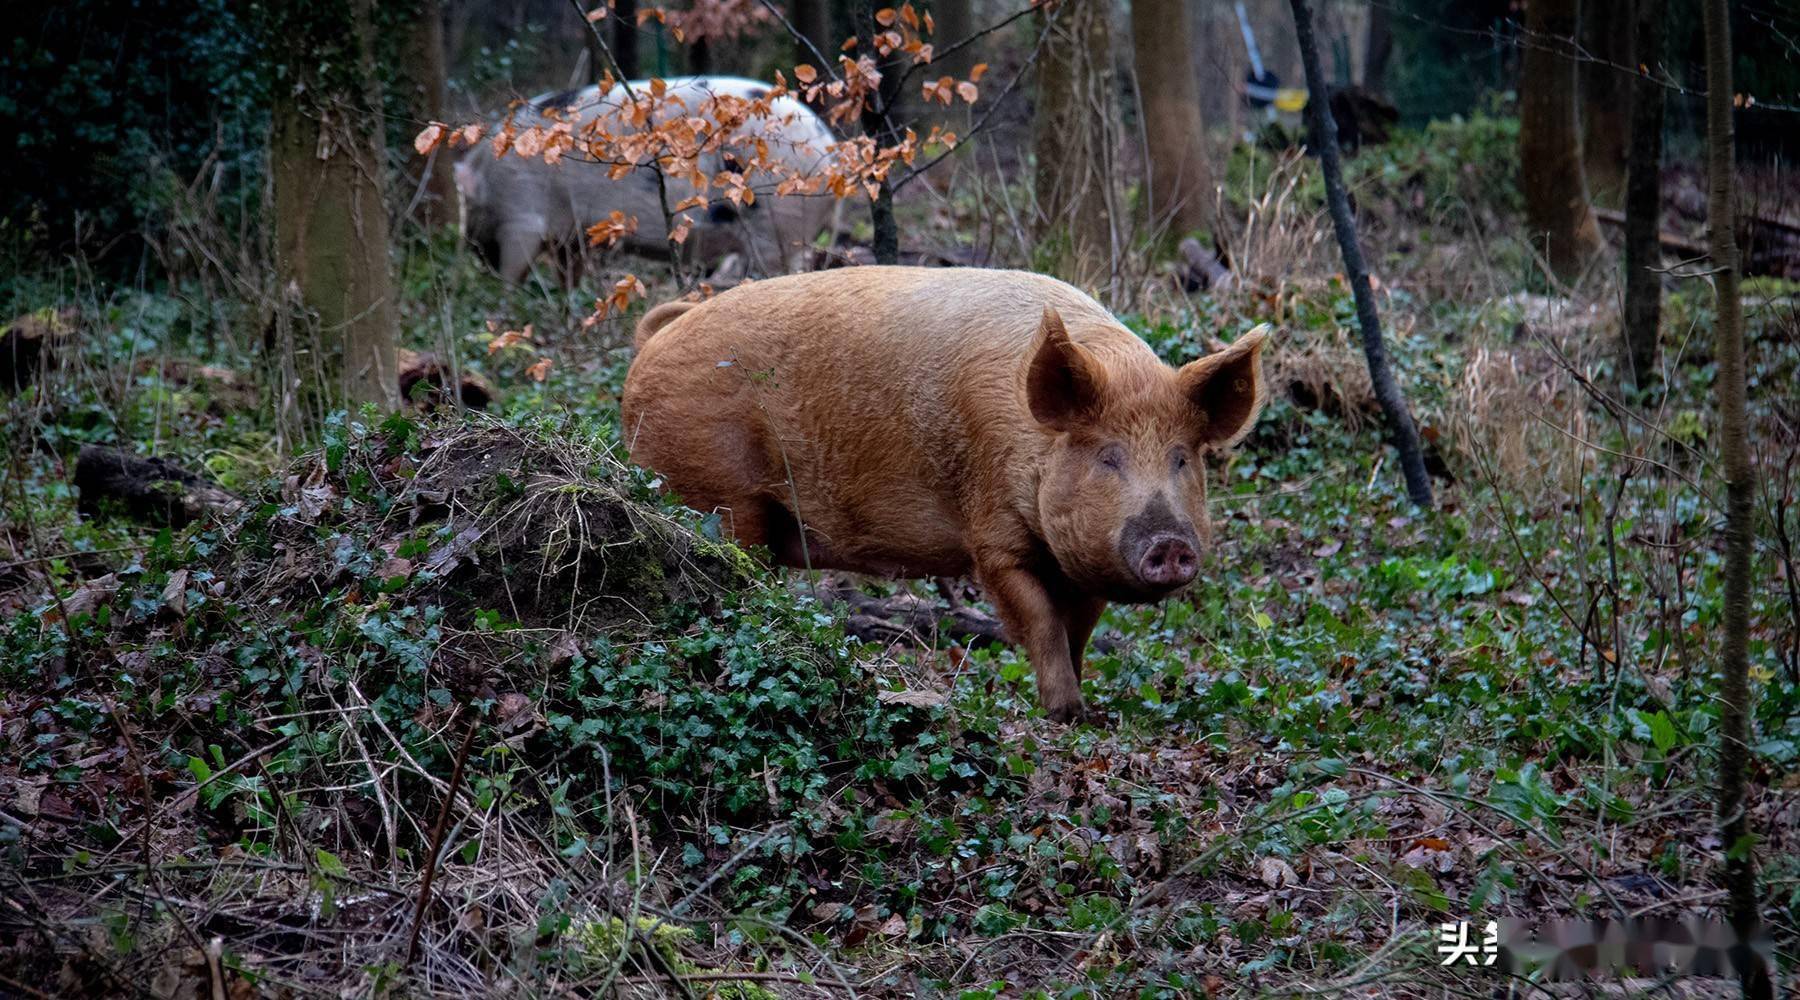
<point x="228" y="747"/>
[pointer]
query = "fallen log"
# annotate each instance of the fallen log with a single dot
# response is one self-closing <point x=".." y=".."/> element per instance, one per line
<point x="1771" y="247"/>
<point x="1669" y="241"/>
<point x="152" y="490"/>
<point x="910" y="620"/>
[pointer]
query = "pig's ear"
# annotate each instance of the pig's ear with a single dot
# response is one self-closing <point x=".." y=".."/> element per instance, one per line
<point x="1226" y="389"/>
<point x="1064" y="384"/>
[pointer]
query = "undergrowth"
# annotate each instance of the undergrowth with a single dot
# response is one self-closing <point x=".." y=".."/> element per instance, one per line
<point x="1364" y="720"/>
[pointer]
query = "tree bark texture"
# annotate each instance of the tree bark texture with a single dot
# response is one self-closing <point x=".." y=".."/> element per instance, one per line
<point x="424" y="76"/>
<point x="1381" y="376"/>
<point x="812" y="18"/>
<point x="1379" y="49"/>
<point x="624" y="40"/>
<point x="1558" y="217"/>
<point x="1073" y="226"/>
<point x="329" y="169"/>
<point x="1605" y="80"/>
<point x="1178" y="177"/>
<point x="1734" y="448"/>
<point x="1643" y="203"/>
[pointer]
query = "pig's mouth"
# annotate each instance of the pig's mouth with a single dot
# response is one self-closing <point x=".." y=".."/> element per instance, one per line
<point x="1139" y="592"/>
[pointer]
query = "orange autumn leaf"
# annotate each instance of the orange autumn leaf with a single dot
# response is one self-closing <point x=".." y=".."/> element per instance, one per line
<point x="884" y="16"/>
<point x="975" y="74"/>
<point x="679" y="234"/>
<point x="967" y="91"/>
<point x="611" y="229"/>
<point x="805" y="73"/>
<point x="428" y="138"/>
<point x="509" y="338"/>
<point x="539" y="370"/>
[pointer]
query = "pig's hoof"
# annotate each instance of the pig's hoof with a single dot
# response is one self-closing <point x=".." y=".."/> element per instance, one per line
<point x="1066" y="711"/>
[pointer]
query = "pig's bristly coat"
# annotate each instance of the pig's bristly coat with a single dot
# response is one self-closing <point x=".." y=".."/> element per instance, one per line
<point x="941" y="422"/>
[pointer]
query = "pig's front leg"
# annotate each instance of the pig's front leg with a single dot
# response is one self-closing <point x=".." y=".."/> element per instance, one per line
<point x="1034" y="620"/>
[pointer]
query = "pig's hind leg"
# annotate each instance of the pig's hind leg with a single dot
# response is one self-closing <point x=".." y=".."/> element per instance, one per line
<point x="1080" y="614"/>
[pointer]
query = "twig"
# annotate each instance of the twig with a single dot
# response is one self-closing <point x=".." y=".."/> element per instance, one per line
<point x="993" y="106"/>
<point x="388" y="824"/>
<point x="725" y="868"/>
<point x="662" y="184"/>
<point x="956" y="47"/>
<point x="188" y="796"/>
<point x="149" y="805"/>
<point x="437" y="840"/>
<point x="824" y="63"/>
<point x="214" y="970"/>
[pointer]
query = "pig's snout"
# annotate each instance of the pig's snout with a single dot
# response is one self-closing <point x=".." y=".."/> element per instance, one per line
<point x="1170" y="561"/>
<point x="1160" y="549"/>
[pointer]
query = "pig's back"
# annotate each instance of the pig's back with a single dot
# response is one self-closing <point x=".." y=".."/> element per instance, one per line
<point x="888" y="401"/>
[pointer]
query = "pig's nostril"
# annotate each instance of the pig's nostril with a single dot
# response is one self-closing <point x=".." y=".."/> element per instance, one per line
<point x="1168" y="562"/>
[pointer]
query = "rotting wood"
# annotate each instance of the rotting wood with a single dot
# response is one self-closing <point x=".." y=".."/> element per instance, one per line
<point x="424" y="376"/>
<point x="152" y="490"/>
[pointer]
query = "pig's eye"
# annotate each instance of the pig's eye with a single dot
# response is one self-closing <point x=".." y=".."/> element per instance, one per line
<point x="1179" y="459"/>
<point x="1113" y="457"/>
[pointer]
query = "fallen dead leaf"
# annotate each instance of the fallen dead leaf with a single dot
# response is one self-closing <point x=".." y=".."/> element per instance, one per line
<point x="914" y="699"/>
<point x="1276" y="873"/>
<point x="174" y="595"/>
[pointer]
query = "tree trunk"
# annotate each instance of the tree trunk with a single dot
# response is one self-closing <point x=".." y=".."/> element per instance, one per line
<point x="812" y="19"/>
<point x="1380" y="48"/>
<point x="424" y="76"/>
<point x="878" y="123"/>
<point x="1381" y="376"/>
<point x="1643" y="203"/>
<point x="1178" y="178"/>
<point x="952" y="21"/>
<point x="1734" y="447"/>
<point x="1605" y="81"/>
<point x="625" y="39"/>
<point x="328" y="169"/>
<point x="1557" y="214"/>
<point x="1074" y="107"/>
